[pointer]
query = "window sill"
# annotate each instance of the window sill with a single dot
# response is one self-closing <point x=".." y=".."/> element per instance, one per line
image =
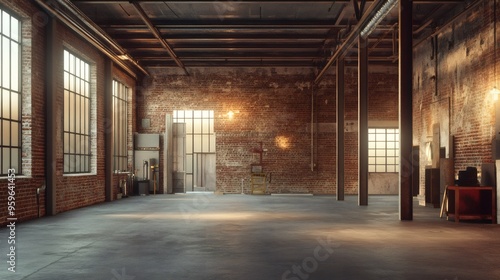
<point x="79" y="174"/>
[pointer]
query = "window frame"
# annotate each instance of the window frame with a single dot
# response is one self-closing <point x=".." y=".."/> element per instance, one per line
<point x="14" y="145"/>
<point x="383" y="150"/>
<point x="120" y="126"/>
<point x="71" y="118"/>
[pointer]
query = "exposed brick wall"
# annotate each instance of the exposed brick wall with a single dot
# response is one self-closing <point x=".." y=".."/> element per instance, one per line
<point x="459" y="100"/>
<point x="71" y="191"/>
<point x="273" y="105"/>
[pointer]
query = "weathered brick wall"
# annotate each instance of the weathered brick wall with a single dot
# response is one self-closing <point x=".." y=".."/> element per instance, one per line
<point x="71" y="191"/>
<point x="451" y="88"/>
<point x="33" y="115"/>
<point x="274" y="105"/>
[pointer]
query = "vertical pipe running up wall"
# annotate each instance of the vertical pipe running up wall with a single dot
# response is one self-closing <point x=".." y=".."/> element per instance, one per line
<point x="340" y="130"/>
<point x="51" y="122"/>
<point x="108" y="132"/>
<point x="312" y="128"/>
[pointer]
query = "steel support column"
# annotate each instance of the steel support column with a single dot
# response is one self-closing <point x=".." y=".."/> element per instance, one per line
<point x="51" y="134"/>
<point x="108" y="131"/>
<point x="405" y="110"/>
<point x="362" y="121"/>
<point x="340" y="129"/>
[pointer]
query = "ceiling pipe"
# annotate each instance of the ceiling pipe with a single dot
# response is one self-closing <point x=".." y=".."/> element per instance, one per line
<point x="89" y="37"/>
<point x="351" y="39"/>
<point x="158" y="36"/>
<point x="97" y="30"/>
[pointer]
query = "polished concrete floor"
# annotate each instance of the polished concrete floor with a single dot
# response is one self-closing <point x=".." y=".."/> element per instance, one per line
<point x="201" y="236"/>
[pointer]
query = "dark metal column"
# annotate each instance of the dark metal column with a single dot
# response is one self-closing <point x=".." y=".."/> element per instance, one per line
<point x="362" y="121"/>
<point x="108" y="130"/>
<point x="51" y="134"/>
<point x="340" y="129"/>
<point x="405" y="110"/>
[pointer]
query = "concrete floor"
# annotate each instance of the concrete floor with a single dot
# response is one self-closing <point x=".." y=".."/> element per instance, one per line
<point x="233" y="237"/>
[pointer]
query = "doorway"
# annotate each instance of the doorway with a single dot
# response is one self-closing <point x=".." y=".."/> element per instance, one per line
<point x="199" y="149"/>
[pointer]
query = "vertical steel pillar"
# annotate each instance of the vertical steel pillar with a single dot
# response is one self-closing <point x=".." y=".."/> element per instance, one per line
<point x="362" y="121"/>
<point x="405" y="110"/>
<point x="108" y="130"/>
<point x="340" y="129"/>
<point x="51" y="133"/>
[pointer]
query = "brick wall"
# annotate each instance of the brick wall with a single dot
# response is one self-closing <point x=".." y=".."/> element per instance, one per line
<point x="451" y="88"/>
<point x="274" y="107"/>
<point x="71" y="191"/>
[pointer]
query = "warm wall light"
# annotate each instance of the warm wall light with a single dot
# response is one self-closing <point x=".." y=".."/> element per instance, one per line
<point x="230" y="114"/>
<point x="495" y="92"/>
<point x="282" y="142"/>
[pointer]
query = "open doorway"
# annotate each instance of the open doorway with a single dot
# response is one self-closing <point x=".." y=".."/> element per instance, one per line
<point x="199" y="149"/>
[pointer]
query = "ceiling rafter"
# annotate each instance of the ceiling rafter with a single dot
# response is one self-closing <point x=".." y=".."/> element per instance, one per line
<point x="158" y="35"/>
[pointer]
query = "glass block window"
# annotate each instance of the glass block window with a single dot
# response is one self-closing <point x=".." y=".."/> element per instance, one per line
<point x="10" y="87"/>
<point x="120" y="95"/>
<point x="76" y="114"/>
<point x="383" y="150"/>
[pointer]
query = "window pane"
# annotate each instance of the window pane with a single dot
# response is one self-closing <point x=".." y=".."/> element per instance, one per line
<point x="14" y="140"/>
<point x="6" y="104"/>
<point x="6" y="133"/>
<point x="14" y="113"/>
<point x="197" y="125"/>
<point x="5" y="160"/>
<point x="5" y="62"/>
<point x="14" y="29"/>
<point x="14" y="71"/>
<point x="5" y="23"/>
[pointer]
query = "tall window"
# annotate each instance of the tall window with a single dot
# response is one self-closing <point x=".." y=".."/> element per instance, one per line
<point x="383" y="150"/>
<point x="120" y="93"/>
<point x="10" y="86"/>
<point x="76" y="114"/>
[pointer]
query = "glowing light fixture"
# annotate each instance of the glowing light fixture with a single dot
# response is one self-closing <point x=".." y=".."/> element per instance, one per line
<point x="230" y="115"/>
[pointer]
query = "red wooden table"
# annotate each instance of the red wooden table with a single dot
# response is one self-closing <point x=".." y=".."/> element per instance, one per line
<point x="472" y="203"/>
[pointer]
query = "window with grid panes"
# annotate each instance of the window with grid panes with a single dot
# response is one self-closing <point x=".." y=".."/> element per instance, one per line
<point x="76" y="114"/>
<point x="120" y="94"/>
<point x="383" y="150"/>
<point x="10" y="86"/>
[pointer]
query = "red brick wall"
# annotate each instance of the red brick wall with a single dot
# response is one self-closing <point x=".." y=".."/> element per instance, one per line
<point x="71" y="191"/>
<point x="460" y="100"/>
<point x="273" y="104"/>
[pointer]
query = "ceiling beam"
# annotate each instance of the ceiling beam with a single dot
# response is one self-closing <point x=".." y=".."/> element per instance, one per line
<point x="254" y="1"/>
<point x="351" y="39"/>
<point x="157" y="34"/>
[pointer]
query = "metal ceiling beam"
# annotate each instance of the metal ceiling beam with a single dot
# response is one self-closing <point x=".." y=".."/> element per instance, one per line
<point x="253" y="1"/>
<point x="157" y="34"/>
<point x="70" y="23"/>
<point x="351" y="39"/>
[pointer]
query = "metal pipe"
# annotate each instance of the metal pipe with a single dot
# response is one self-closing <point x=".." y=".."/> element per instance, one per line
<point x="351" y="39"/>
<point x="312" y="128"/>
<point x="91" y="39"/>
